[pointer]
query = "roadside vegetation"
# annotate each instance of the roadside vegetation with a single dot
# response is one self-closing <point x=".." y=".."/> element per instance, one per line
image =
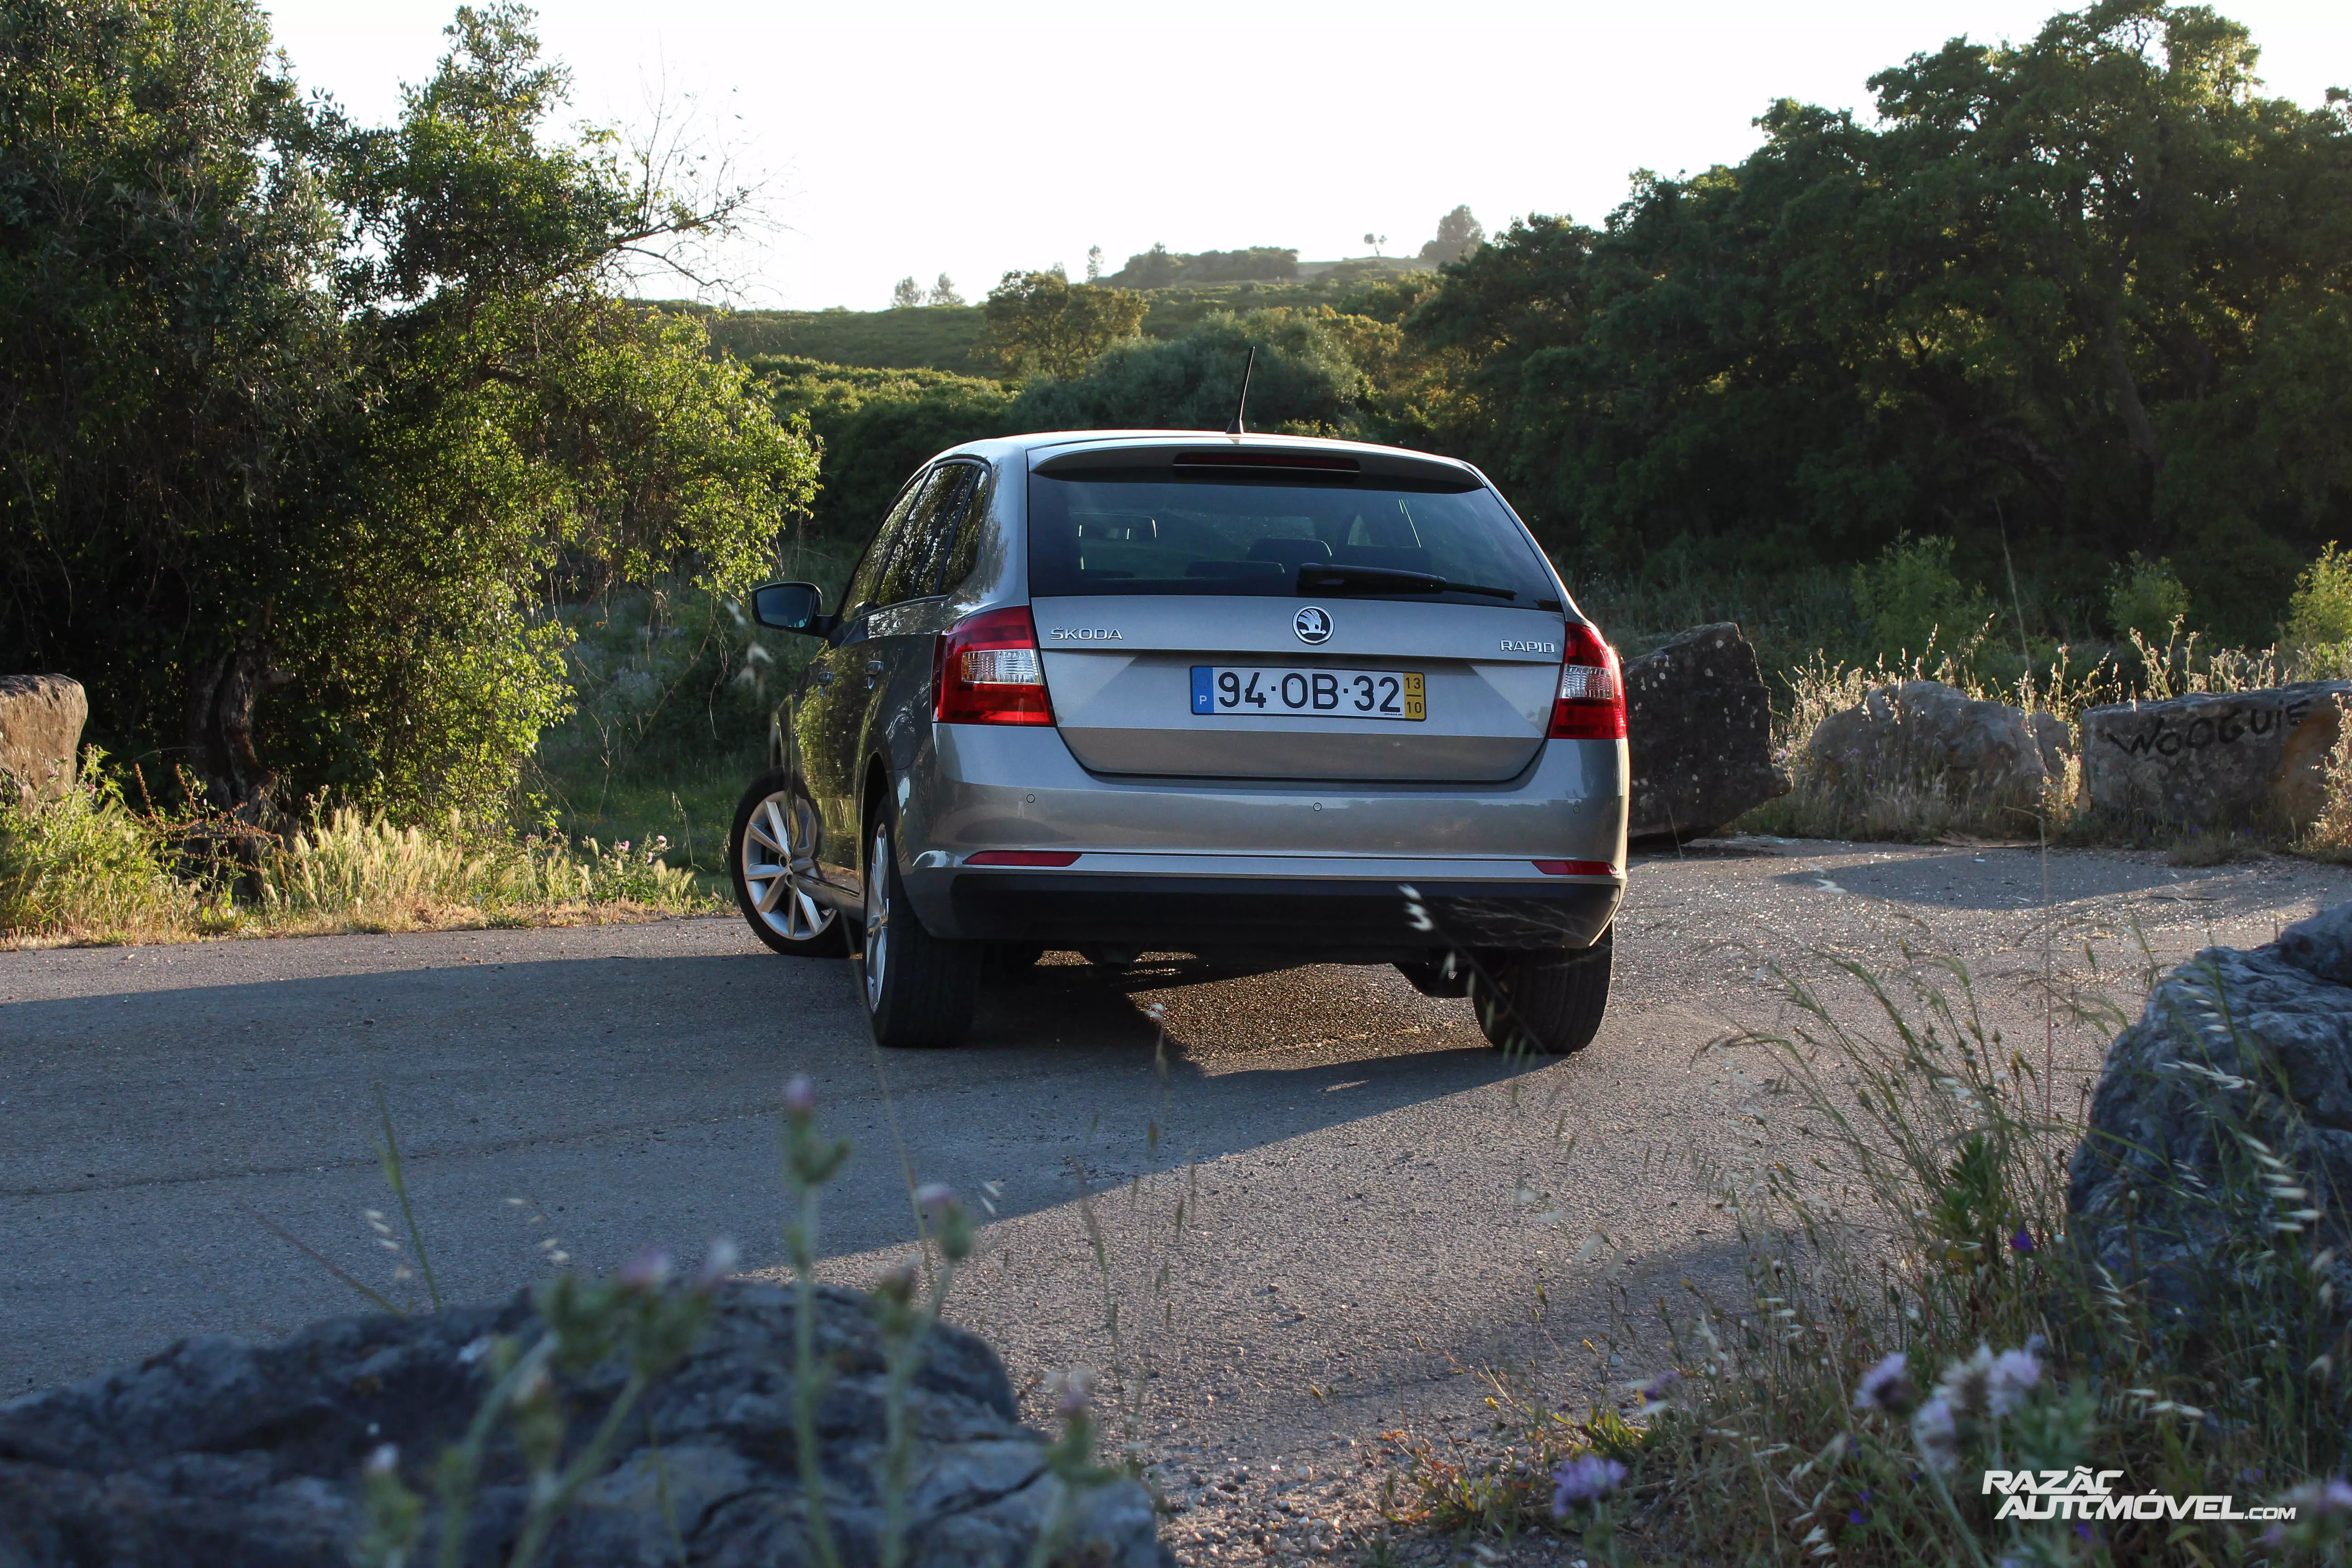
<point x="1915" y="1312"/>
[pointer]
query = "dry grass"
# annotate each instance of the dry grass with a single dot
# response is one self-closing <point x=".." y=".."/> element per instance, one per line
<point x="89" y="868"/>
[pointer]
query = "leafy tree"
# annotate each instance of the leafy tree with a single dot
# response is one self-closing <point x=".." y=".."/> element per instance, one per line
<point x="943" y="293"/>
<point x="1094" y="263"/>
<point x="2090" y="293"/>
<point x="2319" y="611"/>
<point x="876" y="426"/>
<point x="906" y="294"/>
<point x="325" y="414"/>
<point x="1042" y="324"/>
<point x="1458" y="233"/>
<point x="1304" y="383"/>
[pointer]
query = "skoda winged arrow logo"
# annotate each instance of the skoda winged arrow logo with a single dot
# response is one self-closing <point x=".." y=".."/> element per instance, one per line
<point x="1312" y="624"/>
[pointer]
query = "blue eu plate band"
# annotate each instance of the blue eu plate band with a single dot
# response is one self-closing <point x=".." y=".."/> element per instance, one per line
<point x="1204" y="698"/>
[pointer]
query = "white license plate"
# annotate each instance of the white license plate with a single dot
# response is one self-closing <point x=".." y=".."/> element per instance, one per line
<point x="1309" y="693"/>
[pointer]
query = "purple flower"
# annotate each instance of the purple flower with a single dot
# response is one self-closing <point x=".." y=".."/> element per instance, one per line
<point x="935" y="1198"/>
<point x="1934" y="1428"/>
<point x="716" y="1266"/>
<point x="2011" y="1375"/>
<point x="2023" y="1241"/>
<point x="1655" y="1393"/>
<point x="1886" y="1386"/>
<point x="646" y="1272"/>
<point x="1587" y="1479"/>
<point x="800" y="1098"/>
<point x="1074" y="1391"/>
<point x="1853" y="1516"/>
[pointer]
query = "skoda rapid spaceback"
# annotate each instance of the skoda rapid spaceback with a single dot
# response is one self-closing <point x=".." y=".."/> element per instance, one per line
<point x="1132" y="691"/>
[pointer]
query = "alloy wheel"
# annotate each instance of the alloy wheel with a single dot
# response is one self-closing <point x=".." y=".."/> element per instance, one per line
<point x="878" y="915"/>
<point x="780" y="868"/>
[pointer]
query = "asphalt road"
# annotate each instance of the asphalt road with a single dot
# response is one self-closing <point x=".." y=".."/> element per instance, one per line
<point x="1350" y="1157"/>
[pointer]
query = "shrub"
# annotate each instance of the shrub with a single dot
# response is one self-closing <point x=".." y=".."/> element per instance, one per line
<point x="85" y="862"/>
<point x="2319" y="630"/>
<point x="1912" y="601"/>
<point x="2147" y="600"/>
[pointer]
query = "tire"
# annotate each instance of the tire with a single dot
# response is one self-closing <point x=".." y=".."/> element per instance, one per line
<point x="1551" y="999"/>
<point x="770" y="856"/>
<point x="920" y="992"/>
<point x="1431" y="980"/>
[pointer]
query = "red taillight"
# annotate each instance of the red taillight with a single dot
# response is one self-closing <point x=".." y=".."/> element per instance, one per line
<point x="1576" y="868"/>
<point x="1591" y="704"/>
<point x="1022" y="858"/>
<point x="989" y="672"/>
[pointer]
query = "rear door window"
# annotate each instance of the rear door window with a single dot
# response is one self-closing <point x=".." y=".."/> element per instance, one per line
<point x="943" y="512"/>
<point x="1147" y="534"/>
<point x="866" y="584"/>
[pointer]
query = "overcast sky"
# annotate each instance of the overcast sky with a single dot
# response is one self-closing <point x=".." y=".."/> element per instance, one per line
<point x="910" y="137"/>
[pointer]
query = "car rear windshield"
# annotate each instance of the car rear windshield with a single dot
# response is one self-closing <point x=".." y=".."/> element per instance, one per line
<point x="1357" y="537"/>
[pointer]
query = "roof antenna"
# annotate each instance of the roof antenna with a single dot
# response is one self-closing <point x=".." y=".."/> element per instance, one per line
<point x="1242" y="406"/>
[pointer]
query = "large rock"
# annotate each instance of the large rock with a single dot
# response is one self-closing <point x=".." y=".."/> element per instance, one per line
<point x="2246" y="759"/>
<point x="41" y="718"/>
<point x="1923" y="734"/>
<point x="1698" y="724"/>
<point x="219" y="1451"/>
<point x="2238" y="1053"/>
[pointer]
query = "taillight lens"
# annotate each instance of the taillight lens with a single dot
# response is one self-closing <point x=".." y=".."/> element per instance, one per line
<point x="988" y="671"/>
<point x="1590" y="705"/>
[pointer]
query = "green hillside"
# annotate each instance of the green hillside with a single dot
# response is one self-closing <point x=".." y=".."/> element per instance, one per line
<point x="923" y="337"/>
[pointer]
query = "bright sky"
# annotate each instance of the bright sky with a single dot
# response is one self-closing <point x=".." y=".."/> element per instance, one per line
<point x="913" y="137"/>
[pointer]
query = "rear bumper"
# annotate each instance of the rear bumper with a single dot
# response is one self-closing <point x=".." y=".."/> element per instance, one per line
<point x="1341" y="911"/>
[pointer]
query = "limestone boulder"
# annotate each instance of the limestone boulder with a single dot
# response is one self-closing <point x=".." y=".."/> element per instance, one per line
<point x="221" y="1451"/>
<point x="41" y="720"/>
<point x="1923" y="734"/>
<point x="2217" y="1158"/>
<point x="2217" y="761"/>
<point x="1698" y="726"/>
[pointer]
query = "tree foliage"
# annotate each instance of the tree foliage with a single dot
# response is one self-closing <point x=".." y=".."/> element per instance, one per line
<point x="1458" y="233"/>
<point x="1304" y="383"/>
<point x="1042" y="324"/>
<point x="306" y="421"/>
<point x="2092" y="293"/>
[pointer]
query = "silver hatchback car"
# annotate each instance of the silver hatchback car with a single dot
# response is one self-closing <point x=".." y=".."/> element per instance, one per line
<point x="1266" y="699"/>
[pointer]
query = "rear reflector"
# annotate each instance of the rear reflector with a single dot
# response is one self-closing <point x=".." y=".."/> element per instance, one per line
<point x="1590" y="705"/>
<point x="1576" y="868"/>
<point x="1027" y="858"/>
<point x="987" y="671"/>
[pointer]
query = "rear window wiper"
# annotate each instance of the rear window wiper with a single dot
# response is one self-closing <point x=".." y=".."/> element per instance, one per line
<point x="1330" y="579"/>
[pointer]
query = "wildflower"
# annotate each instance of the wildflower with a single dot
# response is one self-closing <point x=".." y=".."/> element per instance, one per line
<point x="644" y="1272"/>
<point x="1587" y="1479"/>
<point x="800" y="1098"/>
<point x="716" y="1266"/>
<point x="1885" y="1387"/>
<point x="2011" y="1375"/>
<point x="1074" y="1391"/>
<point x="934" y="1198"/>
<point x="1966" y="1385"/>
<point x="1935" y="1429"/>
<point x="384" y="1461"/>
<point x="1658" y="1393"/>
<point x="2023" y="1241"/>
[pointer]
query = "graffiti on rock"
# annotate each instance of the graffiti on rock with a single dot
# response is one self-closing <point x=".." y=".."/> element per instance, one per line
<point x="2161" y="737"/>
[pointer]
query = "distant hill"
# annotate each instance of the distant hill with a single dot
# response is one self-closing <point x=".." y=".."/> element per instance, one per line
<point x="943" y="337"/>
<point x="922" y="337"/>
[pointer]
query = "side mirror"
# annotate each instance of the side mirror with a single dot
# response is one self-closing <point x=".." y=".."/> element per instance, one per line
<point x="792" y="608"/>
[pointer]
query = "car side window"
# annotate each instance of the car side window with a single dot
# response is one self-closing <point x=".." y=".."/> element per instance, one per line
<point x="929" y="536"/>
<point x="865" y="583"/>
<point x="960" y="558"/>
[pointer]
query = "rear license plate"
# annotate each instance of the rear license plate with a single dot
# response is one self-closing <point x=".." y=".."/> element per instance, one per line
<point x="1309" y="693"/>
